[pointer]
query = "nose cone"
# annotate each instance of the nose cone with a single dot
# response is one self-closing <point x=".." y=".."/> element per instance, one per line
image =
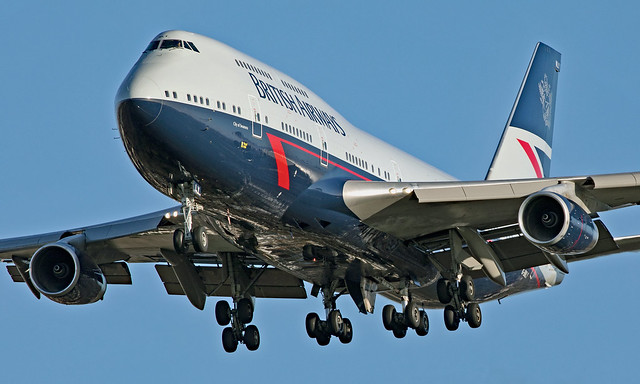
<point x="134" y="90"/>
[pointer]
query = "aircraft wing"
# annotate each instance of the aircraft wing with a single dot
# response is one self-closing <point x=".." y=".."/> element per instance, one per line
<point x="149" y="238"/>
<point x="424" y="213"/>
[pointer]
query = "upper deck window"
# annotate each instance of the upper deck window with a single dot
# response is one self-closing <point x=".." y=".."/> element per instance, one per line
<point x="167" y="44"/>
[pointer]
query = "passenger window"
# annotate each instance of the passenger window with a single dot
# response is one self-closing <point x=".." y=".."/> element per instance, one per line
<point x="188" y="97"/>
<point x="175" y="95"/>
<point x="234" y="109"/>
<point x="207" y="101"/>
<point x="239" y="112"/>
<point x="224" y="106"/>
<point x="195" y="98"/>
<point x="258" y="116"/>
<point x="218" y="105"/>
<point x="266" y="119"/>
<point x="166" y="93"/>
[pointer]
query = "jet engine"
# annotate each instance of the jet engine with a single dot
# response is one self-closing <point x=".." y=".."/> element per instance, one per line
<point x="556" y="224"/>
<point x="65" y="275"/>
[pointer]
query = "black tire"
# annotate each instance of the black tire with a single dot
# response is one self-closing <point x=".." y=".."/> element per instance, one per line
<point x="400" y="331"/>
<point x="178" y="242"/>
<point x="336" y="324"/>
<point x="245" y="310"/>
<point x="347" y="335"/>
<point x="467" y="288"/>
<point x="200" y="239"/>
<point x="229" y="342"/>
<point x="252" y="337"/>
<point x="223" y="313"/>
<point x="311" y="324"/>
<point x="444" y="291"/>
<point x="451" y="319"/>
<point x="323" y="338"/>
<point x="423" y="327"/>
<point x="412" y="315"/>
<point x="388" y="316"/>
<point x="474" y="315"/>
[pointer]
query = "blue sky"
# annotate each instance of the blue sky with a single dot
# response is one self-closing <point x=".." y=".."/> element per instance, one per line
<point x="434" y="79"/>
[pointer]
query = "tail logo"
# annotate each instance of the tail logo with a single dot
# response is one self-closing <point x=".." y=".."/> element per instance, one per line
<point x="545" y="99"/>
<point x="532" y="158"/>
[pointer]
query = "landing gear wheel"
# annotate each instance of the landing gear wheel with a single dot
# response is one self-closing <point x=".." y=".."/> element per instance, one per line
<point x="178" y="242"/>
<point x="388" y="316"/>
<point x="311" y="324"/>
<point x="223" y="313"/>
<point x="200" y="240"/>
<point x="412" y="315"/>
<point x="451" y="319"/>
<point x="245" y="310"/>
<point x="229" y="341"/>
<point x="474" y="315"/>
<point x="467" y="289"/>
<point x="323" y="338"/>
<point x="252" y="338"/>
<point x="423" y="328"/>
<point x="400" y="331"/>
<point x="444" y="291"/>
<point x="336" y="324"/>
<point x="347" y="335"/>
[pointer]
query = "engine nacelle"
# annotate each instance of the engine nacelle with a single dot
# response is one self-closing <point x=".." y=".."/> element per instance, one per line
<point x="66" y="276"/>
<point x="556" y="224"/>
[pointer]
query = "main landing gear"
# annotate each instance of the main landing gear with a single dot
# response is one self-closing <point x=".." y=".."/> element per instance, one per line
<point x="410" y="317"/>
<point x="238" y="331"/>
<point x="184" y="237"/>
<point x="334" y="325"/>
<point x="458" y="295"/>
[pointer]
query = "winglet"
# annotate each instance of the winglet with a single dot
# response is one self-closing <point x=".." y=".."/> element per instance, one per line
<point x="525" y="147"/>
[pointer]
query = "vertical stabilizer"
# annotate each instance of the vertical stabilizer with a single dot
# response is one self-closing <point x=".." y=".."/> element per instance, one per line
<point x="525" y="147"/>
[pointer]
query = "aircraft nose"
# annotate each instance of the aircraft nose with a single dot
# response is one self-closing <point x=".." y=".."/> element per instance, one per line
<point x="143" y="94"/>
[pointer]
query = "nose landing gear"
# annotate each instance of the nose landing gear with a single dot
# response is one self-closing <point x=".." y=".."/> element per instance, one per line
<point x="184" y="237"/>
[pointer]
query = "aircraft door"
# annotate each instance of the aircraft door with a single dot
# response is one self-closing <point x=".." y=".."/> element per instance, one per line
<point x="256" y="124"/>
<point x="324" y="155"/>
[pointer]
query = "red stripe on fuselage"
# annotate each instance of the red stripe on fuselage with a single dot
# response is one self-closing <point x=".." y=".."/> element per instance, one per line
<point x="281" y="160"/>
<point x="532" y="157"/>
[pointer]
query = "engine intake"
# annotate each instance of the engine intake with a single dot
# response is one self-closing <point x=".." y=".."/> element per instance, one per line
<point x="66" y="276"/>
<point x="556" y="224"/>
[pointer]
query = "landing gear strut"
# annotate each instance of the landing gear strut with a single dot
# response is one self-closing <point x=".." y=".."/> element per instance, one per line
<point x="410" y="317"/>
<point x="184" y="237"/>
<point x="334" y="325"/>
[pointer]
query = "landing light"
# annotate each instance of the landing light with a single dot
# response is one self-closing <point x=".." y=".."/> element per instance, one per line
<point x="175" y="213"/>
<point x="407" y="190"/>
<point x="167" y="215"/>
<point x="393" y="191"/>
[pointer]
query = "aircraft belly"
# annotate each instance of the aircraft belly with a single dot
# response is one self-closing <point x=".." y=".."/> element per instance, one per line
<point x="246" y="200"/>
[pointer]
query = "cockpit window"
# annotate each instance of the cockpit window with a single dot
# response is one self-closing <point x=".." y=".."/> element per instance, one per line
<point x="166" y="44"/>
<point x="193" y="46"/>
<point x="153" y="45"/>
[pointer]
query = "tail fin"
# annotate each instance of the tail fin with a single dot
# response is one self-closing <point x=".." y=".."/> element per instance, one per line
<point x="525" y="147"/>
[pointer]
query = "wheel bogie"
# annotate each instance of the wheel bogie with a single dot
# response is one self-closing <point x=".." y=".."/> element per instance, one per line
<point x="323" y="338"/>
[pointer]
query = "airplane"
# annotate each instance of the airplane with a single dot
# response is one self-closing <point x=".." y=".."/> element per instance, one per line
<point x="276" y="188"/>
